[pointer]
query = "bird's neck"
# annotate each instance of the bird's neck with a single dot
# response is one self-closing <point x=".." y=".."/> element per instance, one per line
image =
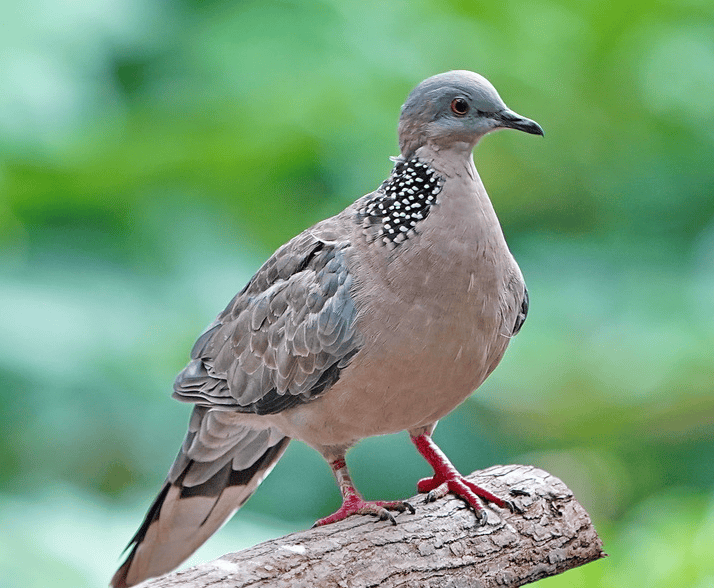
<point x="464" y="193"/>
<point x="451" y="162"/>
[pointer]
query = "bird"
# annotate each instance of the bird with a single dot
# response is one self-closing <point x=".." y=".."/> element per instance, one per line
<point x="378" y="320"/>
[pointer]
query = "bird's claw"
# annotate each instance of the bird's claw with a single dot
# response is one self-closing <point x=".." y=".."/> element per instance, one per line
<point x="513" y="506"/>
<point x="399" y="506"/>
<point x="435" y="493"/>
<point x="378" y="508"/>
<point x="481" y="517"/>
<point x="436" y="487"/>
<point x="519" y="492"/>
<point x="385" y="515"/>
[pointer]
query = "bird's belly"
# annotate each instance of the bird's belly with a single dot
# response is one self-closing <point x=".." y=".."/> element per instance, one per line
<point x="410" y="375"/>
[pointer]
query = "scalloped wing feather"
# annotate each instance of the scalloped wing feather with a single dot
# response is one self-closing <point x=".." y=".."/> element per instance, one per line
<point x="292" y="323"/>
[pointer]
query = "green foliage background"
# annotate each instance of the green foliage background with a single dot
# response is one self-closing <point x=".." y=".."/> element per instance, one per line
<point x="153" y="153"/>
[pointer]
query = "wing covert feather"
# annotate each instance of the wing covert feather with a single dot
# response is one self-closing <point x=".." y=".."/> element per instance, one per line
<point x="284" y="338"/>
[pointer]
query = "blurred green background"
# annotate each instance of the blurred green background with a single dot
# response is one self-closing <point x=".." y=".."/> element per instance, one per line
<point x="154" y="153"/>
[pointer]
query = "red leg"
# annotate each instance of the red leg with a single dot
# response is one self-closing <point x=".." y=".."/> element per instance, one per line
<point x="447" y="479"/>
<point x="353" y="503"/>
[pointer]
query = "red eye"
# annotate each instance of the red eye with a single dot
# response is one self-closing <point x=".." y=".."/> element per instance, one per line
<point x="459" y="106"/>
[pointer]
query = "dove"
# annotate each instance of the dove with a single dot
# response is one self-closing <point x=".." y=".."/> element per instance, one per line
<point x="378" y="320"/>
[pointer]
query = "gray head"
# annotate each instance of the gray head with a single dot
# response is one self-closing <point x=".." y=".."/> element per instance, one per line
<point x="455" y="108"/>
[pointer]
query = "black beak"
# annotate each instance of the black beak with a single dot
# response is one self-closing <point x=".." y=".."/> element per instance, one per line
<point x="510" y="120"/>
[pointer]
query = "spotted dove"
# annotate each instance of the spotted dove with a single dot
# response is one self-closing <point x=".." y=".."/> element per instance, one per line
<point x="380" y="319"/>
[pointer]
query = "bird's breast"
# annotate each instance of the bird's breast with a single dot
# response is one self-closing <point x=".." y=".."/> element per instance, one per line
<point x="431" y="314"/>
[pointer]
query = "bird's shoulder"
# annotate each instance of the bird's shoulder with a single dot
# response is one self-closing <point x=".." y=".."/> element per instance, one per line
<point x="301" y="253"/>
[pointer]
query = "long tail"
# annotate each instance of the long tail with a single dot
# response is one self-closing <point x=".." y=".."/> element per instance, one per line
<point x="220" y="465"/>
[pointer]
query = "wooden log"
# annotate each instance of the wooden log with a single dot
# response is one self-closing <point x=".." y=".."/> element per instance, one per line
<point x="439" y="547"/>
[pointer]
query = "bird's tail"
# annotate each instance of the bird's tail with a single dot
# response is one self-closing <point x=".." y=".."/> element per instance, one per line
<point x="220" y="465"/>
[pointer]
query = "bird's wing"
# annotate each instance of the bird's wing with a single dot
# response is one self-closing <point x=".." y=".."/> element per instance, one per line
<point x="281" y="341"/>
<point x="522" y="312"/>
<point x="285" y="337"/>
<point x="513" y="304"/>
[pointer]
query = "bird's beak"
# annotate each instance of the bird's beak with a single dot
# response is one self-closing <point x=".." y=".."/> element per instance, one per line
<point x="511" y="120"/>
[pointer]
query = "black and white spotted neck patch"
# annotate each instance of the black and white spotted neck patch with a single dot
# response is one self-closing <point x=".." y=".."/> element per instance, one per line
<point x="393" y="213"/>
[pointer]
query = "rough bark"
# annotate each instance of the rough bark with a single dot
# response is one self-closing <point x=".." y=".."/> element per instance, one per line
<point x="438" y="547"/>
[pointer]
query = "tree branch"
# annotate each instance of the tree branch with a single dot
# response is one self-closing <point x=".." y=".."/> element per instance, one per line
<point x="439" y="547"/>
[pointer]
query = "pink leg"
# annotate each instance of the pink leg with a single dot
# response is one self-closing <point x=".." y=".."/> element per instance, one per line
<point x="353" y="503"/>
<point x="447" y="479"/>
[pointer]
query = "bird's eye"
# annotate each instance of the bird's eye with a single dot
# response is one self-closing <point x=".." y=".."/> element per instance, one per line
<point x="459" y="106"/>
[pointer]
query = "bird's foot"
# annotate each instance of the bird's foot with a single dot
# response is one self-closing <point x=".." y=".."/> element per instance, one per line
<point x="358" y="505"/>
<point x="353" y="503"/>
<point x="447" y="479"/>
<point x="437" y="487"/>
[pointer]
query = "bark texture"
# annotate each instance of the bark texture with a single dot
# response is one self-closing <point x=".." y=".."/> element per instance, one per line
<point x="438" y="547"/>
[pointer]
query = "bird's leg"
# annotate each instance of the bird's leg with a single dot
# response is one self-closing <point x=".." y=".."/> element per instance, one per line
<point x="447" y="479"/>
<point x="353" y="503"/>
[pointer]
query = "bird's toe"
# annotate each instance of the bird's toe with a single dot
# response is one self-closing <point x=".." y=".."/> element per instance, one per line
<point x="438" y="492"/>
<point x="385" y="515"/>
<point x="379" y="508"/>
<point x="514" y="507"/>
<point x="481" y="517"/>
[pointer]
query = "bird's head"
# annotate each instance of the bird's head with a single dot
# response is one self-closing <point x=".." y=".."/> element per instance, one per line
<point x="454" y="110"/>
